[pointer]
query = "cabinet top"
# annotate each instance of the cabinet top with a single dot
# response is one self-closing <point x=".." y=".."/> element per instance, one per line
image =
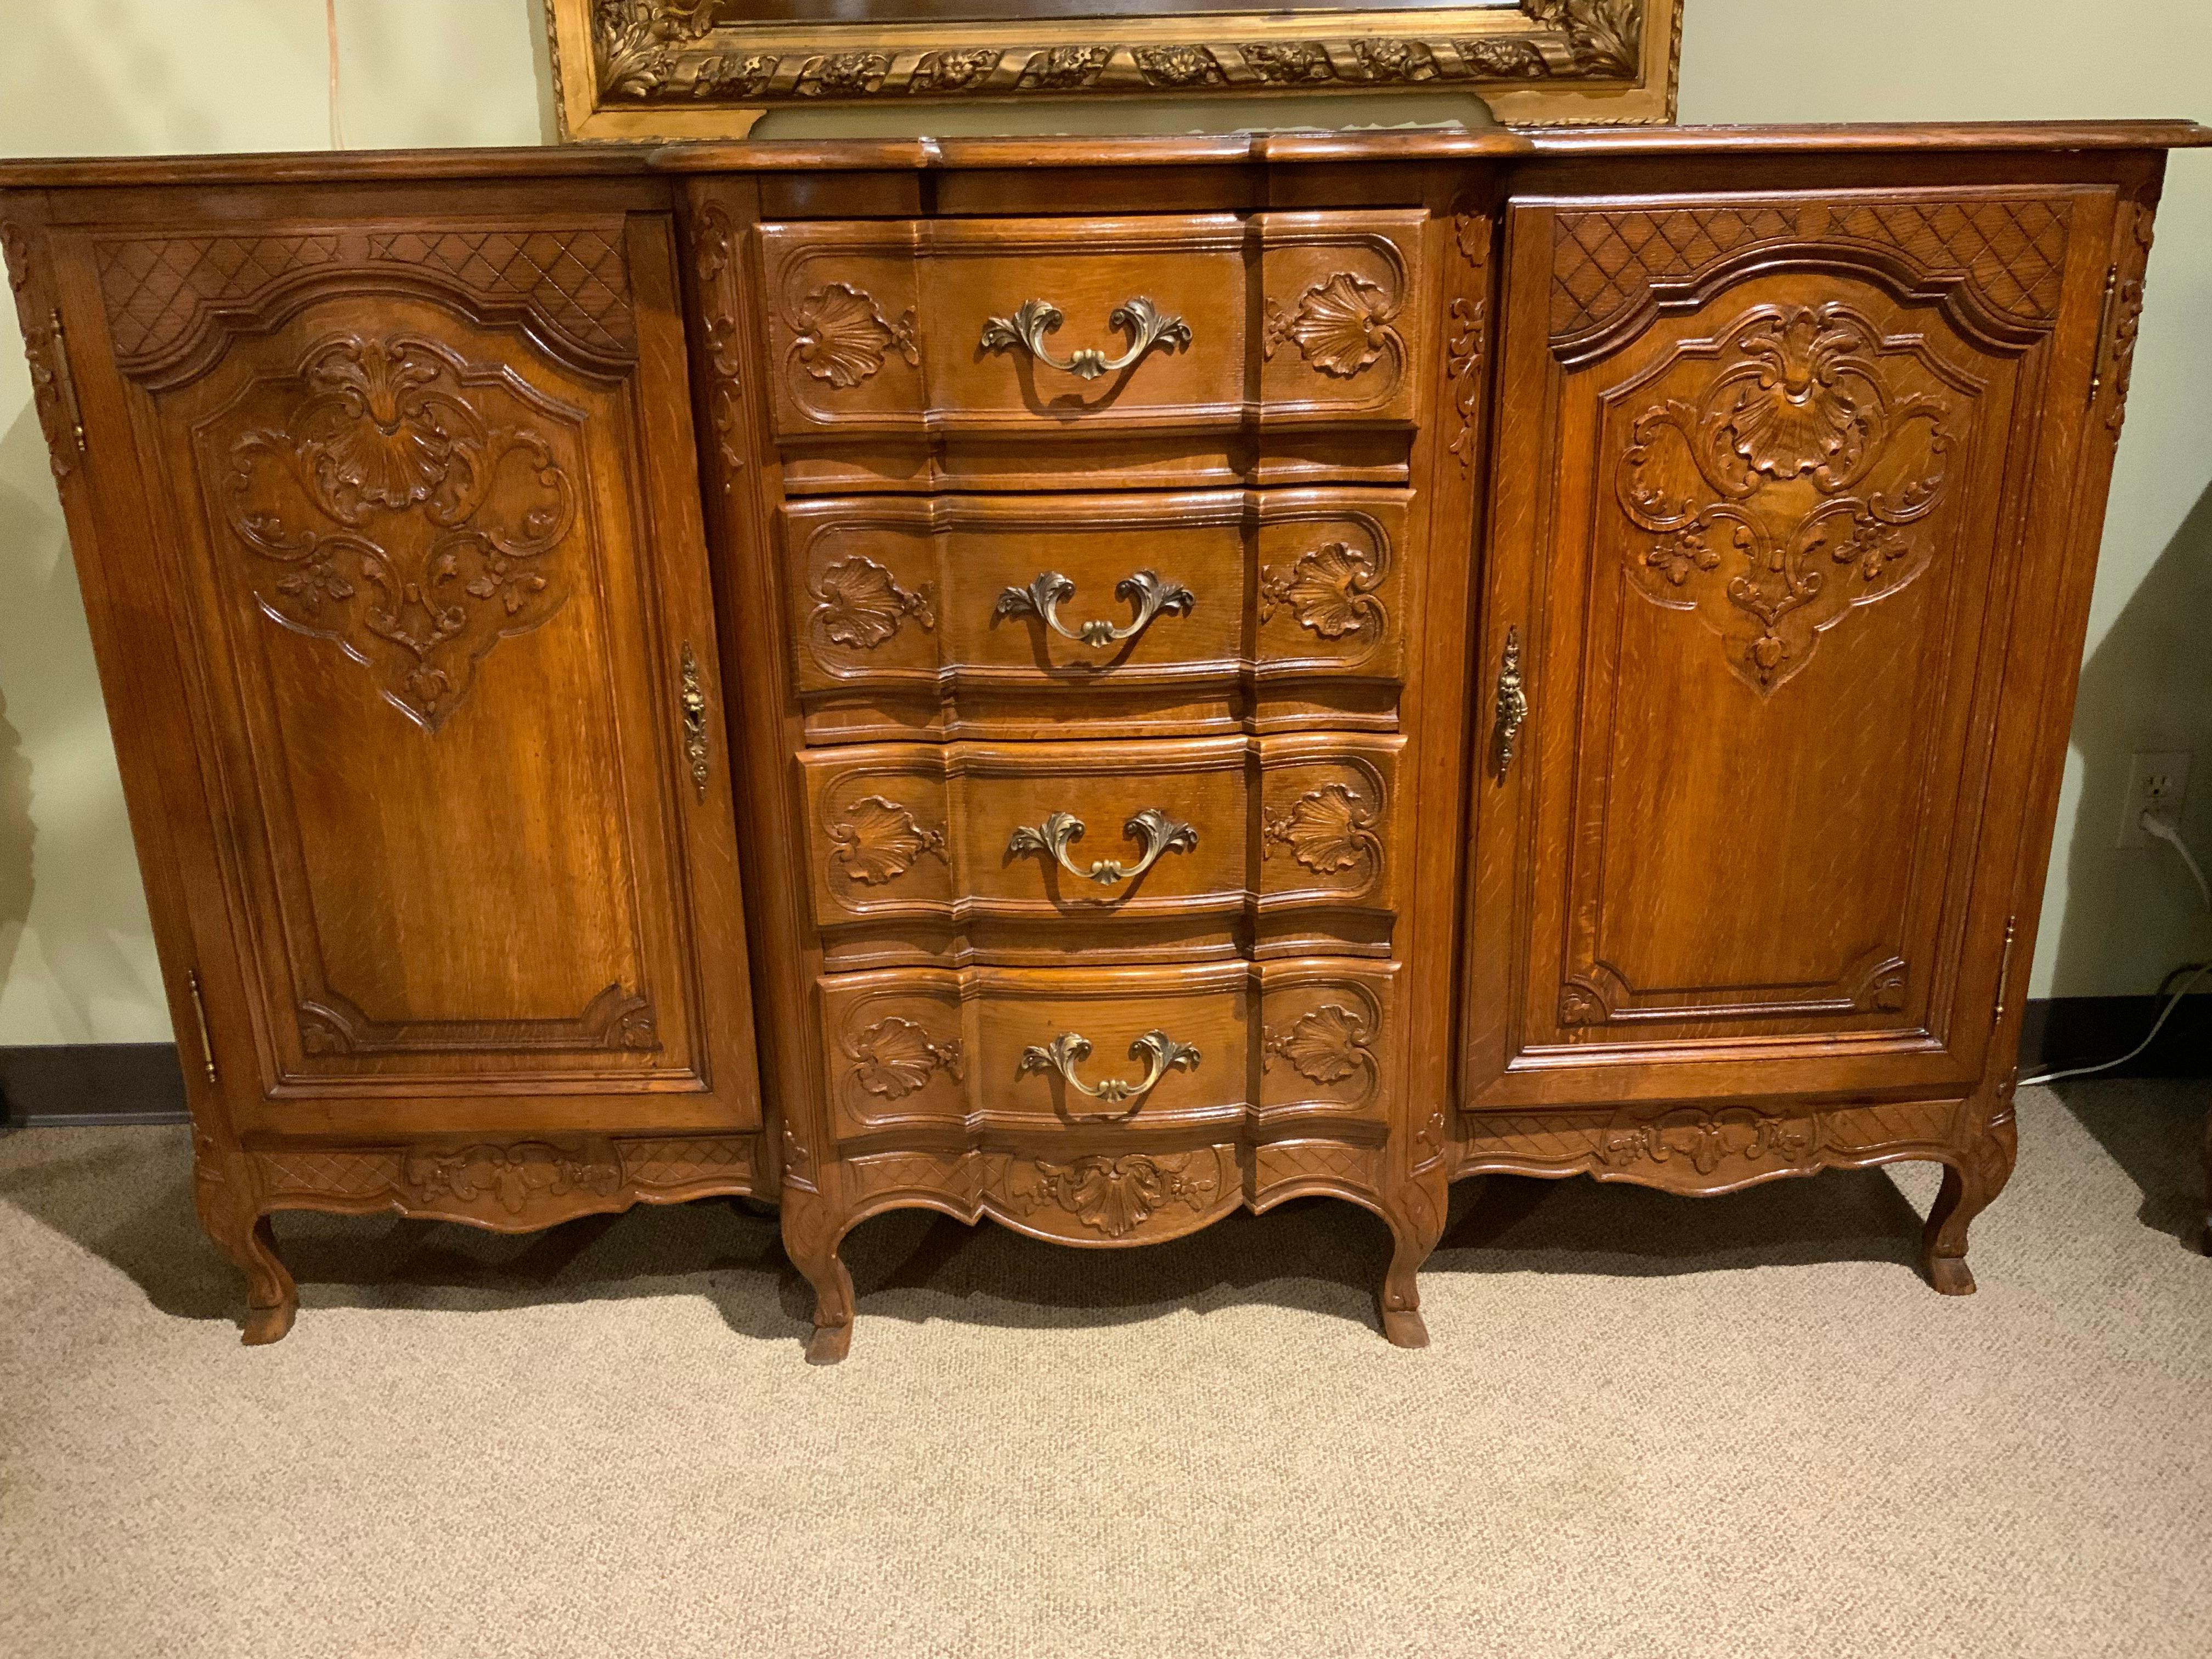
<point x="900" y="155"/>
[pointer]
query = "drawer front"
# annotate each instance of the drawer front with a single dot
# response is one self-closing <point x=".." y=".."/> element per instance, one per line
<point x="999" y="616"/>
<point x="1047" y="852"/>
<point x="1069" y="332"/>
<point x="1116" y="1054"/>
<point x="876" y="327"/>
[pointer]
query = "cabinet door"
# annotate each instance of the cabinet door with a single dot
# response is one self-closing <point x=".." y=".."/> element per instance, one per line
<point x="1771" y="478"/>
<point x="422" y="498"/>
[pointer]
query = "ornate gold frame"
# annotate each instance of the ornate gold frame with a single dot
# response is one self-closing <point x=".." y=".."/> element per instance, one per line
<point x="641" y="70"/>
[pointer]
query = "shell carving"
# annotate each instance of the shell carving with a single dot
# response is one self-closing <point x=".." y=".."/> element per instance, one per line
<point x="1341" y="327"/>
<point x="842" y="337"/>
<point x="1114" y="1196"/>
<point x="379" y="440"/>
<point x="409" y="525"/>
<point x="878" y="841"/>
<point x="862" y="605"/>
<point x="1806" y="469"/>
<point x="1330" y="590"/>
<point x="1327" y="1044"/>
<point x="1329" y="830"/>
<point x="895" y="1057"/>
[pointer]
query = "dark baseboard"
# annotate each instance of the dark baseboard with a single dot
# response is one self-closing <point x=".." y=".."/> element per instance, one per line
<point x="83" y="1084"/>
<point x="2057" y="1033"/>
<point x="115" y="1083"/>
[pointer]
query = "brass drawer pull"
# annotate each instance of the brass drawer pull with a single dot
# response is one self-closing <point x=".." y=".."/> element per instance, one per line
<point x="1159" y="833"/>
<point x="1034" y="318"/>
<point x="1146" y="589"/>
<point x="1161" y="1052"/>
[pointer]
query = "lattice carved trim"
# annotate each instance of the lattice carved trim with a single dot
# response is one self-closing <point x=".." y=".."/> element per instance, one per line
<point x="162" y="294"/>
<point x="1606" y="261"/>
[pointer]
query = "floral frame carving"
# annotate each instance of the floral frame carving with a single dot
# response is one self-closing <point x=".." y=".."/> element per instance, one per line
<point x="646" y="70"/>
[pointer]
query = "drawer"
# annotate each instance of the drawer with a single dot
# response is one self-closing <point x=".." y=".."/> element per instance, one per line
<point x="1232" y="1047"/>
<point x="1018" y="617"/>
<point x="1024" y="352"/>
<point x="1051" y="852"/>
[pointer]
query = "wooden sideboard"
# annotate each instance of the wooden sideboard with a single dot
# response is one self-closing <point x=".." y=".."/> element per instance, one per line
<point x="1092" y="683"/>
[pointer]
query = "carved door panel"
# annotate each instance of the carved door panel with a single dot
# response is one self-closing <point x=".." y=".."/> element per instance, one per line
<point x="1752" y="570"/>
<point x="425" y="500"/>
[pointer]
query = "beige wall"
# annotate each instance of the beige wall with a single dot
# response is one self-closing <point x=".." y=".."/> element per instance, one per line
<point x="122" y="76"/>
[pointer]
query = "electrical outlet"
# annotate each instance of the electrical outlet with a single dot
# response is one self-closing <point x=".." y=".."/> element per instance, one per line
<point x="2156" y="783"/>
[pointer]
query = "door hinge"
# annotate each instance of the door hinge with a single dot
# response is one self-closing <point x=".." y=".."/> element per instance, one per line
<point x="2005" y="971"/>
<point x="2104" y="332"/>
<point x="65" y="383"/>
<point x="199" y="1013"/>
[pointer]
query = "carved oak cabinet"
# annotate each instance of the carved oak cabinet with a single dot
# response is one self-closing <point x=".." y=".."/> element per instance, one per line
<point x="1095" y="682"/>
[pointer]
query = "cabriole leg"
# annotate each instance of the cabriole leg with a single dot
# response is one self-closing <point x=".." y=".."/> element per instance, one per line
<point x="1969" y="1187"/>
<point x="812" y="1233"/>
<point x="223" y="1191"/>
<point x="1416" y="1216"/>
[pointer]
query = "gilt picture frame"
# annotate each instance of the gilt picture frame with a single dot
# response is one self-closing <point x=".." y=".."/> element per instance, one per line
<point x="655" y="69"/>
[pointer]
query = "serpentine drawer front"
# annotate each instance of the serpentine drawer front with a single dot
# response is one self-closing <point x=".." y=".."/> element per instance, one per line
<point x="1286" y="1050"/>
<point x="1023" y="616"/>
<point x="1178" y="849"/>
<point x="989" y="347"/>
<point x="1442" y="652"/>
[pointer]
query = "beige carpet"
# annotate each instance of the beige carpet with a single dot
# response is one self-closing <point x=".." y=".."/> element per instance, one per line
<point x="1741" y="1427"/>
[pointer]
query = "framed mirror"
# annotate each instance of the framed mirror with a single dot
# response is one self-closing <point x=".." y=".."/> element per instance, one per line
<point x="641" y="70"/>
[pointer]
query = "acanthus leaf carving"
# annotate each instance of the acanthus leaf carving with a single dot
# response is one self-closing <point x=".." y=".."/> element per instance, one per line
<point x="1342" y="326"/>
<point x="1324" y="1045"/>
<point x="637" y="41"/>
<point x="1467" y="341"/>
<point x="1709" y="1138"/>
<point x="712" y="237"/>
<point x="841" y="336"/>
<point x="672" y="53"/>
<point x="46" y="352"/>
<point x="1471" y="232"/>
<point x="1603" y="36"/>
<point x="512" y="1174"/>
<point x="1799" y="439"/>
<point x="1329" y="589"/>
<point x="876" y="841"/>
<point x="1463" y="354"/>
<point x="860" y="604"/>
<point x="436" y="530"/>
<point x="1114" y="1196"/>
<point x="2128" y="321"/>
<point x="895" y="1057"/>
<point x="1328" y="831"/>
